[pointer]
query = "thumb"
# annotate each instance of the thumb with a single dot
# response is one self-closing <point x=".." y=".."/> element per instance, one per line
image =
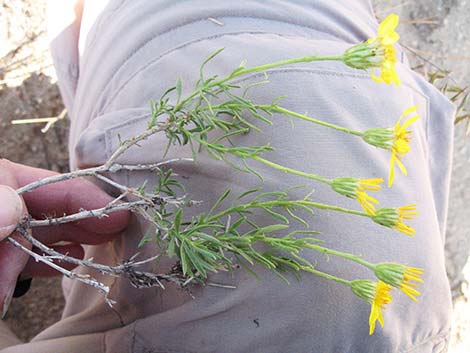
<point x="12" y="260"/>
<point x="11" y="211"/>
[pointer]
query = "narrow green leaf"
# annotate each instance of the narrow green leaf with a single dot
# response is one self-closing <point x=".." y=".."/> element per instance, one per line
<point x="272" y="228"/>
<point x="171" y="251"/>
<point x="177" y="220"/>
<point x="197" y="263"/>
<point x="276" y="215"/>
<point x="179" y="89"/>
<point x="146" y="238"/>
<point x="297" y="218"/>
<point x="219" y="201"/>
<point x="246" y="193"/>
<point x="201" y="70"/>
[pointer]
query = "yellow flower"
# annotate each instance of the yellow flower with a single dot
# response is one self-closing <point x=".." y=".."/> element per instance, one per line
<point x="411" y="274"/>
<point x="377" y="52"/>
<point x="377" y="294"/>
<point x="365" y="200"/>
<point x="394" y="217"/>
<point x="401" y="143"/>
<point x="356" y="189"/>
<point x="400" y="276"/>
<point x="384" y="41"/>
<point x="381" y="298"/>
<point x="394" y="139"/>
<point x="406" y="212"/>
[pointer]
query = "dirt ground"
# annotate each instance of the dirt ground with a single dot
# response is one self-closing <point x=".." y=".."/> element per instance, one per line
<point x="35" y="97"/>
<point x="435" y="30"/>
<point x="28" y="91"/>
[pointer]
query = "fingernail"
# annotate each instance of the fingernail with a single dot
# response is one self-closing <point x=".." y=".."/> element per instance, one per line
<point x="7" y="301"/>
<point x="11" y="210"/>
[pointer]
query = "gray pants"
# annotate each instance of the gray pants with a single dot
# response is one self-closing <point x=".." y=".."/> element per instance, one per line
<point x="136" y="49"/>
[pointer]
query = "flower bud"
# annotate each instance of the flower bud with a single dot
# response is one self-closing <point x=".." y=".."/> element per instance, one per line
<point x="356" y="189"/>
<point x="364" y="289"/>
<point x="394" y="217"/>
<point x="399" y="276"/>
<point x="377" y="52"/>
<point x="377" y="294"/>
<point x="379" y="137"/>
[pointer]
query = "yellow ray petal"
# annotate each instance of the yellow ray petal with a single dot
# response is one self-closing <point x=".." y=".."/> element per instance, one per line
<point x="388" y="25"/>
<point x="401" y="166"/>
<point x="391" y="175"/>
<point x="410" y="121"/>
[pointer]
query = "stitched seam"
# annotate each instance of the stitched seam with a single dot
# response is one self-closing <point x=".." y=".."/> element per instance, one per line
<point x="270" y="72"/>
<point x="108" y="143"/>
<point x="145" y="43"/>
<point x="108" y="136"/>
<point x="168" y="350"/>
<point x="438" y="337"/>
<point x="182" y="46"/>
<point x="134" y="334"/>
<point x="111" y="130"/>
<point x="164" y="349"/>
<point x="99" y="23"/>
<point x="428" y="125"/>
<point x="104" y="343"/>
<point x="66" y="67"/>
<point x="158" y="349"/>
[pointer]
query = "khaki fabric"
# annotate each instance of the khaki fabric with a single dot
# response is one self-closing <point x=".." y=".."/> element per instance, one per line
<point x="7" y="338"/>
<point x="134" y="51"/>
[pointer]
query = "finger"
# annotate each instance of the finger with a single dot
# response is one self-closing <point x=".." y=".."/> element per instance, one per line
<point x="68" y="197"/>
<point x="39" y="269"/>
<point x="12" y="259"/>
<point x="70" y="233"/>
<point x="11" y="211"/>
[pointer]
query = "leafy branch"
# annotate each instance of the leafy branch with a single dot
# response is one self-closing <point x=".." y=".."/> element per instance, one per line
<point x="221" y="239"/>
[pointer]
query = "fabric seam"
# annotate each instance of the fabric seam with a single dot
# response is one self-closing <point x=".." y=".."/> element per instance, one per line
<point x="99" y="23"/>
<point x="271" y="72"/>
<point x="165" y="349"/>
<point x="437" y="337"/>
<point x="182" y="46"/>
<point x="103" y="345"/>
<point x="204" y="20"/>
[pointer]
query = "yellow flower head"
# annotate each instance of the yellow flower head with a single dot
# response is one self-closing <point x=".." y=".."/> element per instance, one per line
<point x="377" y="52"/>
<point x="409" y="288"/>
<point x="356" y="189"/>
<point x="377" y="294"/>
<point x="363" y="198"/>
<point x="394" y="217"/>
<point x="394" y="139"/>
<point x="381" y="298"/>
<point x="400" y="276"/>
<point x="406" y="213"/>
<point x="384" y="41"/>
<point x="401" y="142"/>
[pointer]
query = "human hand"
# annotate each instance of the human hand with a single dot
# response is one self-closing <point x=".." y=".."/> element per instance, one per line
<point x="67" y="197"/>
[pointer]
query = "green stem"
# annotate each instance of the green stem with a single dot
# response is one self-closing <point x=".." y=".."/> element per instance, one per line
<point x="333" y="208"/>
<point x="292" y="171"/>
<point x="303" y="59"/>
<point x="285" y="203"/>
<point x="281" y="110"/>
<point x="344" y="255"/>
<point x="326" y="275"/>
<point x="259" y="68"/>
